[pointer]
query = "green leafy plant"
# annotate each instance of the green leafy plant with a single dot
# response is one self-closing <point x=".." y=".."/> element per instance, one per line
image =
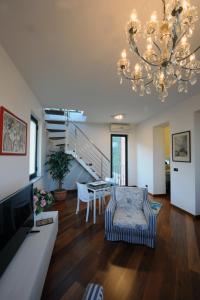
<point x="59" y="164"/>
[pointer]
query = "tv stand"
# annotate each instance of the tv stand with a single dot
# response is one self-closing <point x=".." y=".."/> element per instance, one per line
<point x="25" y="275"/>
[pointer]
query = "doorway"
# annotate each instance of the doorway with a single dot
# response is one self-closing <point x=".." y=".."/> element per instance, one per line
<point x="167" y="158"/>
<point x="161" y="159"/>
<point x="119" y="155"/>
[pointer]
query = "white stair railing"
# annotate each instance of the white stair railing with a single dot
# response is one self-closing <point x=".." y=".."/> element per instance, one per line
<point x="81" y="147"/>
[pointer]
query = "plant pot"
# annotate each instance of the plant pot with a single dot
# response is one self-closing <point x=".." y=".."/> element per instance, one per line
<point x="60" y="195"/>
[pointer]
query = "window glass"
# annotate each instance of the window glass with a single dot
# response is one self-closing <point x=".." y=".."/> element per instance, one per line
<point x="33" y="148"/>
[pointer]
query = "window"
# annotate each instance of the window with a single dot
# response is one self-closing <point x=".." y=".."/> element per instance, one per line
<point x="33" y="148"/>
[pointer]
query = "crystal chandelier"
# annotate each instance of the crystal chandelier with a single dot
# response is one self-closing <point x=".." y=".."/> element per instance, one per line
<point x="168" y="58"/>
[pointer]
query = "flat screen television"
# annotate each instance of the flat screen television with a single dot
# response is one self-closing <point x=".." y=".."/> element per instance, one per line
<point x="16" y="220"/>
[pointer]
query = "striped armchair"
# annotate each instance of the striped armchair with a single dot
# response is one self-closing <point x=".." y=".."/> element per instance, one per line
<point x="129" y="218"/>
<point x="93" y="292"/>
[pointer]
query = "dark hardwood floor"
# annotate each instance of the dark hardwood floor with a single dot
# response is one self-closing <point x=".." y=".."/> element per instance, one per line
<point x="127" y="272"/>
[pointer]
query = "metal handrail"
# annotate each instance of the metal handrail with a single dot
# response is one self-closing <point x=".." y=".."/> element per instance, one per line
<point x="96" y="160"/>
<point x="85" y="148"/>
<point x="88" y="153"/>
<point x="90" y="141"/>
<point x="94" y="154"/>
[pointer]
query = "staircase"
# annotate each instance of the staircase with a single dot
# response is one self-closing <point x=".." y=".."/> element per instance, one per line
<point x="65" y="134"/>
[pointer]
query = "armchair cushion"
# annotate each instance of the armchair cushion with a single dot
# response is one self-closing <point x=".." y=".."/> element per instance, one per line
<point x="131" y="219"/>
<point x="129" y="198"/>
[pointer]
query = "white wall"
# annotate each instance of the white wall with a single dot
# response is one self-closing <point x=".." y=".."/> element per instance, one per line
<point x="180" y="118"/>
<point x="159" y="181"/>
<point x="17" y="97"/>
<point x="144" y="150"/>
<point x="197" y="159"/>
<point x="100" y="134"/>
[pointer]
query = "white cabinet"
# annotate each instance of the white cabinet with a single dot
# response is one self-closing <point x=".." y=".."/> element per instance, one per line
<point x="25" y="275"/>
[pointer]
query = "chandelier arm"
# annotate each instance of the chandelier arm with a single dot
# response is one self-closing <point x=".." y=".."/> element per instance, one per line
<point x="164" y="10"/>
<point x="148" y="82"/>
<point x="191" y="69"/>
<point x="189" y="54"/>
<point x="184" y="80"/>
<point x="135" y="50"/>
<point x="156" y="45"/>
<point x="179" y="39"/>
<point x="176" y="40"/>
<point x="132" y="78"/>
<point x="146" y="61"/>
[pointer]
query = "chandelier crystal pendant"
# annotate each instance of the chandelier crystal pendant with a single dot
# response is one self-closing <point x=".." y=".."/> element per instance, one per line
<point x="168" y="58"/>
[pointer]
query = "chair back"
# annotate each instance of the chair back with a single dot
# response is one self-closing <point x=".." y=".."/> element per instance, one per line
<point x="83" y="193"/>
<point x="128" y="197"/>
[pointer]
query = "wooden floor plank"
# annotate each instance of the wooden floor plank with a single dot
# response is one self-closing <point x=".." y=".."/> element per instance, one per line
<point x="127" y="272"/>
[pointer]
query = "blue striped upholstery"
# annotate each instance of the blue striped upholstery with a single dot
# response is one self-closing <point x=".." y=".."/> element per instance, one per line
<point x="137" y="236"/>
<point x="93" y="292"/>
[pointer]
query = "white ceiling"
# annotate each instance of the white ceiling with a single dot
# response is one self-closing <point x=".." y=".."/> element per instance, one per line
<point x="67" y="51"/>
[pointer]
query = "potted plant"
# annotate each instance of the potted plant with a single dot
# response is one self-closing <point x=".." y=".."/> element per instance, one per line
<point x="59" y="164"/>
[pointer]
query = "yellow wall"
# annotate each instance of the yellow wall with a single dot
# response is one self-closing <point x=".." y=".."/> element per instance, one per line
<point x="167" y="142"/>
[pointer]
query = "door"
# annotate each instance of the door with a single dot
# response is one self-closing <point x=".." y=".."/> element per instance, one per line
<point x="119" y="154"/>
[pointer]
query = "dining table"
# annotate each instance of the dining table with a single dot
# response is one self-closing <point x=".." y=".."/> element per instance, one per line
<point x="98" y="187"/>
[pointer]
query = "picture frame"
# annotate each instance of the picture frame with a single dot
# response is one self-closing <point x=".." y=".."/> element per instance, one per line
<point x="181" y="147"/>
<point x="13" y="134"/>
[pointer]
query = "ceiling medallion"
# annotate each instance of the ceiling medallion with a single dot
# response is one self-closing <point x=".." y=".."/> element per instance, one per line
<point x="168" y="58"/>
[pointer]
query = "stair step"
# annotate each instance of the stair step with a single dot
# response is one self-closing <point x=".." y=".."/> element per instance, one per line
<point x="56" y="130"/>
<point x="54" y="112"/>
<point x="57" y="138"/>
<point x="56" y="126"/>
<point x="89" y="164"/>
<point x="56" y="122"/>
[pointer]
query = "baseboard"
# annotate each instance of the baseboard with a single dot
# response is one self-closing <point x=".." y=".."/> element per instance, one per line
<point x="186" y="212"/>
<point x="69" y="191"/>
<point x="158" y="195"/>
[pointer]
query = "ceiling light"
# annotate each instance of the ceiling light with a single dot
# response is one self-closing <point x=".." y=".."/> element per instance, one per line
<point x="118" y="117"/>
<point x="168" y="58"/>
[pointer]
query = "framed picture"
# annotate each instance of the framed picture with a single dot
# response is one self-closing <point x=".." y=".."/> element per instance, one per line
<point x="13" y="134"/>
<point x="181" y="147"/>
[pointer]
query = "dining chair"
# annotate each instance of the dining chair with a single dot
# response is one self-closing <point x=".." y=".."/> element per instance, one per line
<point x="108" y="191"/>
<point x="84" y="196"/>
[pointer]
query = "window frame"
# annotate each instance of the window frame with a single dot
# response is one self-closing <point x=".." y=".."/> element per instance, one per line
<point x="34" y="175"/>
<point x="126" y="155"/>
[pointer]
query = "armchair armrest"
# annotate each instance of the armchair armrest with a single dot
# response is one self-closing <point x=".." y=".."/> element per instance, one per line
<point x="150" y="216"/>
<point x="109" y="213"/>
